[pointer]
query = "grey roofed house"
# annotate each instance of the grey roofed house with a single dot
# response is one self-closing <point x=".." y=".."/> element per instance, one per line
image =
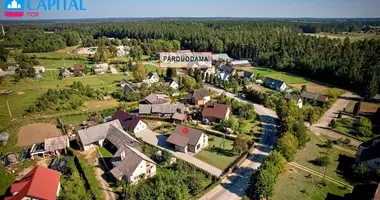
<point x="157" y="98"/>
<point x="127" y="88"/>
<point x="118" y="138"/>
<point x="145" y="109"/>
<point x="226" y="68"/>
<point x="199" y="94"/>
<point x="56" y="143"/>
<point x="123" y="82"/>
<point x="292" y="97"/>
<point x="376" y="97"/>
<point x="127" y="164"/>
<point x="245" y="74"/>
<point x="220" y="56"/>
<point x="314" y="96"/>
<point x="179" y="116"/>
<point x="240" y="63"/>
<point x="181" y="139"/>
<point x="97" y="133"/>
<point x="273" y="83"/>
<point x="168" y="108"/>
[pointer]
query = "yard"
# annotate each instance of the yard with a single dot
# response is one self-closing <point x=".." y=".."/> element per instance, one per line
<point x="288" y="78"/>
<point x="314" y="149"/>
<point x="214" y="155"/>
<point x="294" y="185"/>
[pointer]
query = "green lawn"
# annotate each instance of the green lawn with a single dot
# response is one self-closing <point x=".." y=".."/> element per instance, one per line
<point x="350" y="106"/>
<point x="54" y="64"/>
<point x="313" y="150"/>
<point x="55" y="55"/>
<point x="289" y="79"/>
<point x="75" y="120"/>
<point x="150" y="68"/>
<point x="293" y="185"/>
<point x="105" y="153"/>
<point x="216" y="159"/>
<point x="89" y="171"/>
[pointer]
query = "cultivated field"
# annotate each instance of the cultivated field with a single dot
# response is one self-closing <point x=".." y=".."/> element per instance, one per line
<point x="54" y="64"/>
<point x="353" y="36"/>
<point x="36" y="133"/>
<point x="318" y="88"/>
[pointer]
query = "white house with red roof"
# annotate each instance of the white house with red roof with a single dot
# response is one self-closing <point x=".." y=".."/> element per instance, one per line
<point x="40" y="183"/>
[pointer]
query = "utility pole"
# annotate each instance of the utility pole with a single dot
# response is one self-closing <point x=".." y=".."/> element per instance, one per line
<point x="9" y="110"/>
<point x="2" y="29"/>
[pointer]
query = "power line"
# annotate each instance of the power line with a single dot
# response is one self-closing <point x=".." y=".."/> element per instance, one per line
<point x="9" y="110"/>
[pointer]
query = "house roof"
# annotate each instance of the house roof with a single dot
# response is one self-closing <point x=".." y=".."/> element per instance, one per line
<point x="222" y="56"/>
<point x="215" y="110"/>
<point x="152" y="74"/>
<point x="371" y="149"/>
<point x="96" y="133"/>
<point x="127" y="88"/>
<point x="40" y="183"/>
<point x="130" y="162"/>
<point x="245" y="74"/>
<point x="199" y="94"/>
<point x="292" y="97"/>
<point x="273" y="82"/>
<point x="179" y="116"/>
<point x="178" y="137"/>
<point x="226" y="68"/>
<point x="56" y="143"/>
<point x="240" y="62"/>
<point x="126" y="120"/>
<point x="376" y="97"/>
<point x="118" y="137"/>
<point x="78" y="68"/>
<point x="168" y="108"/>
<point x="123" y="82"/>
<point x="316" y="96"/>
<point x="224" y="76"/>
<point x="157" y="98"/>
<point x="145" y="108"/>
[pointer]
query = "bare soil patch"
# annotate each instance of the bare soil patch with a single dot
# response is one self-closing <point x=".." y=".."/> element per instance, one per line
<point x="36" y="133"/>
<point x="369" y="107"/>
<point x="20" y="93"/>
<point x="102" y="104"/>
<point x="314" y="87"/>
<point x="84" y="51"/>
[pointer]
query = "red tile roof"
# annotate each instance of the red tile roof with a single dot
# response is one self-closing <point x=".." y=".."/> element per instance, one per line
<point x="215" y="110"/>
<point x="40" y="183"/>
<point x="78" y="68"/>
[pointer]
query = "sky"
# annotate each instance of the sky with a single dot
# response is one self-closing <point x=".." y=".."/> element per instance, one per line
<point x="212" y="8"/>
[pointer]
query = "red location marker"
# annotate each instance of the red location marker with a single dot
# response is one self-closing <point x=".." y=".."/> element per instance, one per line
<point x="185" y="130"/>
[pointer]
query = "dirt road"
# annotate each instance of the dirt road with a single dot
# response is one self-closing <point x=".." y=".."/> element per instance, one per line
<point x="322" y="125"/>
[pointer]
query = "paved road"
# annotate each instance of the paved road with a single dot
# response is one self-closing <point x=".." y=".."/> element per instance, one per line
<point x="235" y="185"/>
<point x="160" y="141"/>
<point x="322" y="125"/>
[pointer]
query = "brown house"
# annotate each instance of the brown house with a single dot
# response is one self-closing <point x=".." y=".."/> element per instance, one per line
<point x="199" y="96"/>
<point x="78" y="68"/>
<point x="213" y="112"/>
<point x="186" y="139"/>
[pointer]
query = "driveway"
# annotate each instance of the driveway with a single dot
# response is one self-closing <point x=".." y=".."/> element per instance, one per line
<point x="235" y="185"/>
<point x="322" y="125"/>
<point x="160" y="141"/>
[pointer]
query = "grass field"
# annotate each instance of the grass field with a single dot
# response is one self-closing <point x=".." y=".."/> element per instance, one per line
<point x="289" y="79"/>
<point x="313" y="150"/>
<point x="54" y="64"/>
<point x="55" y="55"/>
<point x="353" y="36"/>
<point x="216" y="159"/>
<point x="150" y="68"/>
<point x="293" y="185"/>
<point x="105" y="153"/>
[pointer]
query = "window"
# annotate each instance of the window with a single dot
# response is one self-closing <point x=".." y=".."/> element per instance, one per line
<point x="198" y="146"/>
<point x="377" y="163"/>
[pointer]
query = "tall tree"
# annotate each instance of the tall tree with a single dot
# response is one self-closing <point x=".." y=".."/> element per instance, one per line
<point x="139" y="72"/>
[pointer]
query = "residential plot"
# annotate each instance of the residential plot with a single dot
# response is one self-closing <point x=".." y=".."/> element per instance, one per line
<point x="318" y="88"/>
<point x="288" y="78"/>
<point x="215" y="155"/>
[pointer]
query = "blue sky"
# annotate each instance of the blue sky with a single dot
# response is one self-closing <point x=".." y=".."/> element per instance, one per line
<point x="215" y="8"/>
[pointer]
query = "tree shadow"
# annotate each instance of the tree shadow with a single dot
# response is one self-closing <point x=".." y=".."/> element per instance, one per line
<point x="344" y="167"/>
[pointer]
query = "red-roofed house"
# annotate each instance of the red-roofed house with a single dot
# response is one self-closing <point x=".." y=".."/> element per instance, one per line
<point x="213" y="112"/>
<point x="129" y="122"/>
<point x="40" y="183"/>
<point x="78" y="68"/>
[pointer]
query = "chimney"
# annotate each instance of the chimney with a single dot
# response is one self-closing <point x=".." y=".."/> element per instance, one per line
<point x="122" y="155"/>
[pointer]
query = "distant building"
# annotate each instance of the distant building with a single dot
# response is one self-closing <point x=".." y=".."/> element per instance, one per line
<point x="127" y="88"/>
<point x="187" y="139"/>
<point x="224" y="76"/>
<point x="172" y="83"/>
<point x="162" y="110"/>
<point x="227" y="69"/>
<point x="65" y="73"/>
<point x="157" y="99"/>
<point x="209" y="70"/>
<point x="238" y="63"/>
<point x="221" y="57"/>
<point x="245" y="74"/>
<point x="368" y="153"/>
<point x="78" y="69"/>
<point x="314" y="96"/>
<point x="39" y="69"/>
<point x="153" y="77"/>
<point x="275" y="84"/>
<point x="296" y="98"/>
<point x="101" y="68"/>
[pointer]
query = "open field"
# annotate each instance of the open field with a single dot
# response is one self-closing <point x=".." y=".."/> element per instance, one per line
<point x="214" y="158"/>
<point x="55" y="55"/>
<point x="150" y="68"/>
<point x="313" y="150"/>
<point x="318" y="88"/>
<point x="353" y="36"/>
<point x="67" y="49"/>
<point x="288" y="78"/>
<point x="54" y="64"/>
<point x="36" y="133"/>
<point x="294" y="185"/>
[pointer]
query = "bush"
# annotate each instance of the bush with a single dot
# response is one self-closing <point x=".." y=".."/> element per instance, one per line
<point x="322" y="161"/>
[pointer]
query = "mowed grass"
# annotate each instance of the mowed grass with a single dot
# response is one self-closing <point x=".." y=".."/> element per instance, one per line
<point x="313" y="150"/>
<point x="293" y="185"/>
<point x="215" y="159"/>
<point x="55" y="55"/>
<point x="54" y="64"/>
<point x="288" y="78"/>
<point x="105" y="153"/>
<point x="150" y="68"/>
